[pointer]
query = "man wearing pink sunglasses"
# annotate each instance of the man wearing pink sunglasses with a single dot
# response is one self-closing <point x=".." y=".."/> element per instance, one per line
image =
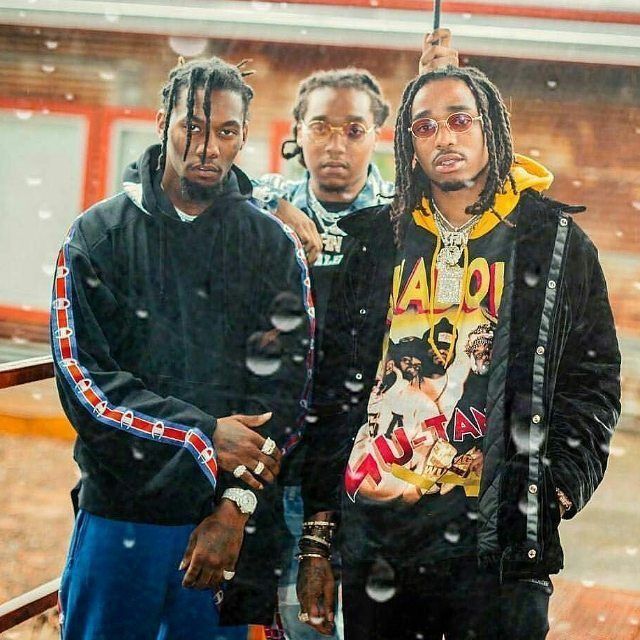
<point x="449" y="508"/>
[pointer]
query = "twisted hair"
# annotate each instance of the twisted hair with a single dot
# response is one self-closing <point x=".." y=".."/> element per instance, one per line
<point x="212" y="74"/>
<point x="411" y="182"/>
<point x="348" y="78"/>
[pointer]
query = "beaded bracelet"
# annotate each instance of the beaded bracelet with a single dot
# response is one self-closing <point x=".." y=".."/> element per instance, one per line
<point x="319" y="523"/>
<point x="318" y="526"/>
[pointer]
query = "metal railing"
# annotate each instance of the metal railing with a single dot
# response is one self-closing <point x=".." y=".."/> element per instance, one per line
<point x="28" y="605"/>
<point x="23" y="371"/>
<point x="33" y="603"/>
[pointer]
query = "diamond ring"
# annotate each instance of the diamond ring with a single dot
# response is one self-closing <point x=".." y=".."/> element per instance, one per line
<point x="239" y="470"/>
<point x="268" y="447"/>
<point x="259" y="468"/>
<point x="228" y="575"/>
<point x="303" y="617"/>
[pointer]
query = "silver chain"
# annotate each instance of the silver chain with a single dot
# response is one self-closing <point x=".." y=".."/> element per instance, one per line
<point x="328" y="220"/>
<point x="438" y="215"/>
<point x="454" y="242"/>
<point x="454" y="239"/>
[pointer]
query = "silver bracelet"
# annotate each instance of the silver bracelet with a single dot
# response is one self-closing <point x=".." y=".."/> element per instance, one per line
<point x="301" y="556"/>
<point x="317" y="539"/>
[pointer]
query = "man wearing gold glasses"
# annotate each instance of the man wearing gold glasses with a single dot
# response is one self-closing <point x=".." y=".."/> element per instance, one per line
<point x="337" y="115"/>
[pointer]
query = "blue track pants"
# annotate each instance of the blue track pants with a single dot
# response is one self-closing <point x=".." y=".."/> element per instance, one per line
<point x="121" y="582"/>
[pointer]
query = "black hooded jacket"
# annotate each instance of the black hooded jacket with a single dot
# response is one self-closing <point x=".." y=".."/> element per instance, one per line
<point x="159" y="327"/>
<point x="554" y="390"/>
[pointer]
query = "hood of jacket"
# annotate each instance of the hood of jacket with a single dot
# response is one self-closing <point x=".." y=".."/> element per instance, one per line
<point x="374" y="223"/>
<point x="526" y="173"/>
<point x="141" y="183"/>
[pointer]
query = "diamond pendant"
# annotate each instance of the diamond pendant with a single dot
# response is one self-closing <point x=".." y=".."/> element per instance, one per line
<point x="449" y="284"/>
<point x="449" y="255"/>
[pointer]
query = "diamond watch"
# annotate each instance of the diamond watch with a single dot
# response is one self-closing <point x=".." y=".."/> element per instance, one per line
<point x="244" y="499"/>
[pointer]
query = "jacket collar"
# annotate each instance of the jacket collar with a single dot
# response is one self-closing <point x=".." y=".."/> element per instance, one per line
<point x="376" y="191"/>
<point x="140" y="176"/>
<point x="369" y="225"/>
<point x="371" y="222"/>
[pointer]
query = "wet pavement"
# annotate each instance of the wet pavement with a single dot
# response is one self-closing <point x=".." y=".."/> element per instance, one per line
<point x="597" y="596"/>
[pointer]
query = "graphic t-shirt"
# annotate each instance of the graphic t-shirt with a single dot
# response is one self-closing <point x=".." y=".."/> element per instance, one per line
<point x="414" y="471"/>
<point x="335" y="244"/>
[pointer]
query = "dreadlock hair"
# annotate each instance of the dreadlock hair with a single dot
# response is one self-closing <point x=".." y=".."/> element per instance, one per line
<point x="411" y="182"/>
<point x="348" y="78"/>
<point x="213" y="74"/>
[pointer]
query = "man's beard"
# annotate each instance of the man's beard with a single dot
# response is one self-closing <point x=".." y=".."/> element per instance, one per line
<point x="458" y="185"/>
<point x="333" y="188"/>
<point x="194" y="192"/>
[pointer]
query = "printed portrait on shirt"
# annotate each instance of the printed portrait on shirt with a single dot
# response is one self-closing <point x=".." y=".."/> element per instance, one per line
<point x="426" y="412"/>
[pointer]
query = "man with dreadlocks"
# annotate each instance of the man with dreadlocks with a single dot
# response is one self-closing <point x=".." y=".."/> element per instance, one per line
<point x="337" y="117"/>
<point x="474" y="261"/>
<point x="180" y="314"/>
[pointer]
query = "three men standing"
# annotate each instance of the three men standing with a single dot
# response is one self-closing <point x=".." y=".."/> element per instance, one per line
<point x="464" y="402"/>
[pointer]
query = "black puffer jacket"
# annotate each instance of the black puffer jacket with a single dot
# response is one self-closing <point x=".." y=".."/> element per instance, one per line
<point x="554" y="391"/>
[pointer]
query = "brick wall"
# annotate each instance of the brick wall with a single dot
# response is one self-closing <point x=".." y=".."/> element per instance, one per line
<point x="582" y="121"/>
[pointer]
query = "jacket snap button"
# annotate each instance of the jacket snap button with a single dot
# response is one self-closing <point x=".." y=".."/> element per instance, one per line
<point x="552" y="284"/>
<point x="536" y="419"/>
<point x="563" y="222"/>
<point x="540" y="351"/>
<point x="358" y="376"/>
<point x="363" y="312"/>
<point x="364" y="247"/>
<point x="533" y="489"/>
<point x="532" y="553"/>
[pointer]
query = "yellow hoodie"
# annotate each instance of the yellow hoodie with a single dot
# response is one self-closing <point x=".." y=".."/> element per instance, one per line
<point x="527" y="173"/>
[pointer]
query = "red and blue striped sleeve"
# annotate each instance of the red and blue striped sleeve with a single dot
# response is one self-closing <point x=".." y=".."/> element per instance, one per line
<point x="99" y="397"/>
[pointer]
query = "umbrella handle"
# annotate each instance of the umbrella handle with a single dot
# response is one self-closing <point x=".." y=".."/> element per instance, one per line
<point x="436" y="15"/>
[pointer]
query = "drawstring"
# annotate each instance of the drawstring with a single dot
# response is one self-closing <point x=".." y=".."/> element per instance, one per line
<point x="209" y="264"/>
<point x="236" y="399"/>
<point x="225" y="276"/>
<point x="162" y="253"/>
<point x="214" y="230"/>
